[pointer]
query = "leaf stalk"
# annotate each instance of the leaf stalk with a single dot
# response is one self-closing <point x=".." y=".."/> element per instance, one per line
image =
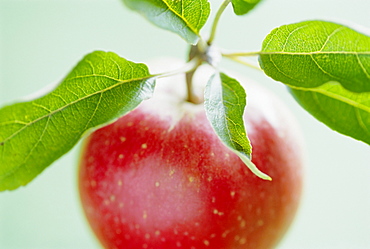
<point x="216" y="20"/>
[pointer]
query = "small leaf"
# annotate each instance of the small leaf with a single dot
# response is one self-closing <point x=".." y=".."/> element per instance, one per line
<point x="242" y="7"/>
<point x="225" y="101"/>
<point x="344" y="111"/>
<point x="312" y="53"/>
<point x="33" y="134"/>
<point x="184" y="17"/>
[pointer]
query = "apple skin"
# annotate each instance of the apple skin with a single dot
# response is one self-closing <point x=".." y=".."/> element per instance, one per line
<point x="160" y="178"/>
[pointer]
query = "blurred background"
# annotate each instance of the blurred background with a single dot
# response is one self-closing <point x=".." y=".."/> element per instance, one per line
<point x="42" y="40"/>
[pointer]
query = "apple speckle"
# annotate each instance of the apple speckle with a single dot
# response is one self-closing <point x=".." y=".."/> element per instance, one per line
<point x="157" y="184"/>
<point x="242" y="241"/>
<point x="242" y="223"/>
<point x="120" y="156"/>
<point x="172" y="171"/>
<point x="206" y="242"/>
<point x="112" y="198"/>
<point x="93" y="183"/>
<point x="123" y="139"/>
<point x="144" y="146"/>
<point x="260" y="223"/>
<point x="258" y="211"/>
<point x="224" y="234"/>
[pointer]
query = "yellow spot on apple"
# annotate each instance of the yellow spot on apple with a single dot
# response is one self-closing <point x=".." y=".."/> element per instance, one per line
<point x="147" y="236"/>
<point x="232" y="193"/>
<point x="157" y="233"/>
<point x="242" y="223"/>
<point x="112" y="198"/>
<point x="157" y="184"/>
<point x="130" y="124"/>
<point x="119" y="183"/>
<point x="120" y="156"/>
<point x="224" y="234"/>
<point x="123" y="139"/>
<point x="144" y="146"/>
<point x="206" y="242"/>
<point x="260" y="223"/>
<point x="191" y="179"/>
<point x="242" y="241"/>
<point x="145" y="215"/>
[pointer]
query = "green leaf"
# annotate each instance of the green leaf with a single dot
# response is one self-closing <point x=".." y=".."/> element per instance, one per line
<point x="225" y="101"/>
<point x="242" y="7"/>
<point x="33" y="134"/>
<point x="312" y="53"/>
<point x="344" y="111"/>
<point x="183" y="17"/>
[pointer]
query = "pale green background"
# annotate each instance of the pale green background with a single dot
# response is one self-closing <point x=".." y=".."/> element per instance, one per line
<point x="41" y="40"/>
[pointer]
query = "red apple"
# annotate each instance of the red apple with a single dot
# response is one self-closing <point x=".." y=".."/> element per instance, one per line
<point x="160" y="178"/>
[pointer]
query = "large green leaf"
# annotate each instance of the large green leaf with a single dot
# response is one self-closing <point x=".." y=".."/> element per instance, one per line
<point x="225" y="101"/>
<point x="344" y="111"/>
<point x="33" y="134"/>
<point x="312" y="53"/>
<point x="242" y="7"/>
<point x="184" y="17"/>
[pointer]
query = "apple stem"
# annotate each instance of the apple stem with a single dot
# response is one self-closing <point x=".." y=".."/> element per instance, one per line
<point x="192" y="97"/>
